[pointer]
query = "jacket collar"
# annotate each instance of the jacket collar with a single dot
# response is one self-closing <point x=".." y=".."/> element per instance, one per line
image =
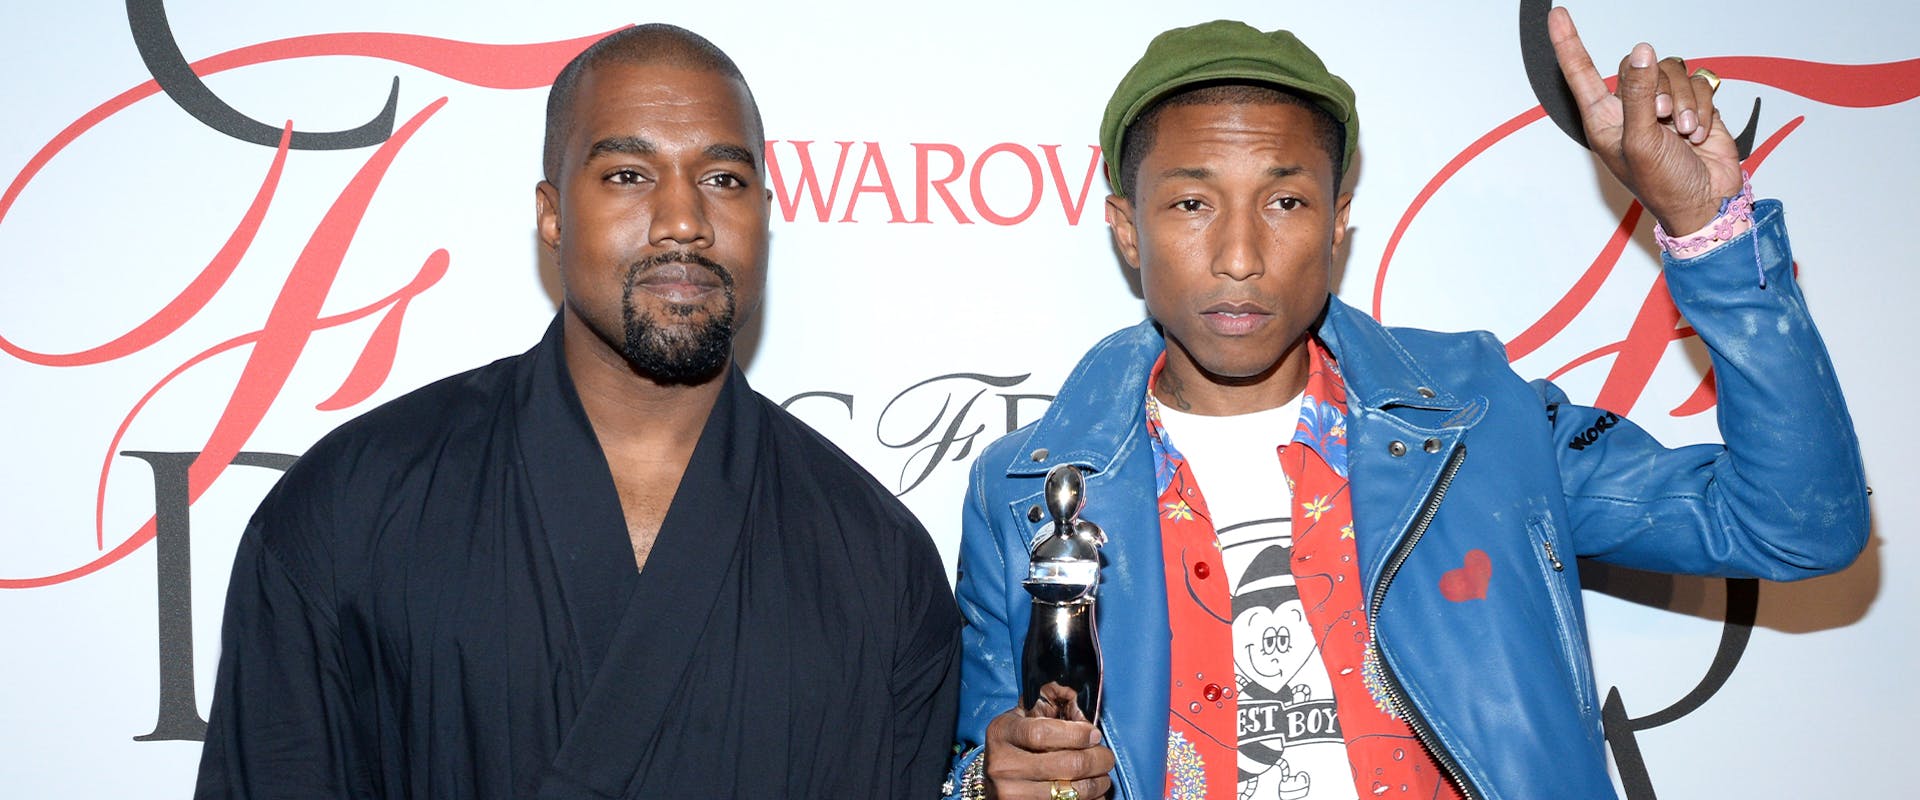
<point x="1086" y="428"/>
<point x="1379" y="371"/>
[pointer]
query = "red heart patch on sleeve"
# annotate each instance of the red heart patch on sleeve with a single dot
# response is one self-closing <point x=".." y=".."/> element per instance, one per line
<point x="1469" y="582"/>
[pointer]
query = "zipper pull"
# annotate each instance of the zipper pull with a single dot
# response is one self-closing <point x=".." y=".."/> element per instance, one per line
<point x="1557" y="566"/>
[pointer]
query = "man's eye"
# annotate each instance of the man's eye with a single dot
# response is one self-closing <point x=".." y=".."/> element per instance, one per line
<point x="1189" y="205"/>
<point x="1289" y="203"/>
<point x="624" y="176"/>
<point x="726" y="180"/>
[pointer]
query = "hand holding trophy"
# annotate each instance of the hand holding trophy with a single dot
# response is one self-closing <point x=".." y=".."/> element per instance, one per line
<point x="1050" y="746"/>
<point x="1063" y="574"/>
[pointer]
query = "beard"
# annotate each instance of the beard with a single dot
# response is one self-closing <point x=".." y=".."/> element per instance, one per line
<point x="677" y="350"/>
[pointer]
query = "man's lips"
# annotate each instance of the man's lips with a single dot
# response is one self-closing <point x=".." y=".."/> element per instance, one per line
<point x="679" y="282"/>
<point x="1235" y="318"/>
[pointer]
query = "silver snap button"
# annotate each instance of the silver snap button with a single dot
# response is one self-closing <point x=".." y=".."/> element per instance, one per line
<point x="1039" y="455"/>
<point x="1397" y="448"/>
<point x="1033" y="513"/>
<point x="1432" y="445"/>
<point x="1425" y="392"/>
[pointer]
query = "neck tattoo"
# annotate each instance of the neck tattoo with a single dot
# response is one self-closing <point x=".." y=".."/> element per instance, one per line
<point x="1170" y="388"/>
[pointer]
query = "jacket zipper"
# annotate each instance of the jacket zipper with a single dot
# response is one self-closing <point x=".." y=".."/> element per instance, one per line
<point x="1548" y="544"/>
<point x="1395" y="694"/>
<point x="1562" y="609"/>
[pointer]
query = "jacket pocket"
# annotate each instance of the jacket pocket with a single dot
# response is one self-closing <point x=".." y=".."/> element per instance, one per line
<point x="1554" y="562"/>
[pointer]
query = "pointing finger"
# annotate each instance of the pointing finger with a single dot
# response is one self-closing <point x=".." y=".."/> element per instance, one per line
<point x="1575" y="64"/>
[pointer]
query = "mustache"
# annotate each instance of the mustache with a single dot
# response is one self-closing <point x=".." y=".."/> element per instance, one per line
<point x="680" y="260"/>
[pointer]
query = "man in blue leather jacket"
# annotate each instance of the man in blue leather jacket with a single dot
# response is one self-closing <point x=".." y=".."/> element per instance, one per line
<point x="1469" y="490"/>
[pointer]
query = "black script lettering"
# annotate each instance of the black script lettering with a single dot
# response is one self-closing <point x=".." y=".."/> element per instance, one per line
<point x="1743" y="607"/>
<point x="179" y="717"/>
<point x="942" y="433"/>
<point x="845" y="400"/>
<point x="1013" y="408"/>
<point x="161" y="54"/>
<point x="1556" y="97"/>
<point x="1592" y="434"/>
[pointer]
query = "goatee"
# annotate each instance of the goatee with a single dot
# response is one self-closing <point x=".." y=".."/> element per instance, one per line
<point x="684" y="353"/>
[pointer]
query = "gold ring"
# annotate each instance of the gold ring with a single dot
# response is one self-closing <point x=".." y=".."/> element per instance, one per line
<point x="1712" y="78"/>
<point x="1061" y="790"/>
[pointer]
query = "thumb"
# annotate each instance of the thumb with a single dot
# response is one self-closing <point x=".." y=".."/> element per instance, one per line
<point x="1639" y="83"/>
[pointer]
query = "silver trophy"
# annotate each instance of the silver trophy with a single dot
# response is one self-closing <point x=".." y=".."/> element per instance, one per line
<point x="1063" y="572"/>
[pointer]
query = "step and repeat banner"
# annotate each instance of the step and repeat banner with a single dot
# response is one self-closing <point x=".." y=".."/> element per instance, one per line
<point x="188" y="301"/>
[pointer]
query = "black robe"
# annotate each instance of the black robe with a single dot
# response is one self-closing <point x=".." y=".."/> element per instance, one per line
<point x="439" y="600"/>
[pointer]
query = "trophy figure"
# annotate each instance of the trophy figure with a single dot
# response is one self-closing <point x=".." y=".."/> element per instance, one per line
<point x="1062" y="574"/>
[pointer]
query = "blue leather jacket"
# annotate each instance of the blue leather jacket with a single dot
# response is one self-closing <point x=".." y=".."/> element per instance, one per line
<point x="1450" y="451"/>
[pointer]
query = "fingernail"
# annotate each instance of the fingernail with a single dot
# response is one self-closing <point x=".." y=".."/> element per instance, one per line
<point x="1687" y="123"/>
<point x="1095" y="738"/>
<point x="1642" y="56"/>
<point x="1662" y="104"/>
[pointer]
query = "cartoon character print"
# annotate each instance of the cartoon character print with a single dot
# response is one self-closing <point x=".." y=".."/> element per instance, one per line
<point x="1273" y="644"/>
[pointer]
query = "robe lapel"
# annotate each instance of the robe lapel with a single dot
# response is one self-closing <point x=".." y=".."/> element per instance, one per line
<point x="577" y="508"/>
<point x="661" y="623"/>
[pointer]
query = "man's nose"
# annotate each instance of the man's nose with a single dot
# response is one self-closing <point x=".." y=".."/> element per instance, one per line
<point x="1238" y="254"/>
<point x="679" y="215"/>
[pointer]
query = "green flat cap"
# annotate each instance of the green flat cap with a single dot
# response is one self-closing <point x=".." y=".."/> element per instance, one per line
<point x="1223" y="50"/>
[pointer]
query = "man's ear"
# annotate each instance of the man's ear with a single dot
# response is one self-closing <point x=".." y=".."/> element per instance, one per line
<point x="1342" y="206"/>
<point x="546" y="209"/>
<point x="1125" y="235"/>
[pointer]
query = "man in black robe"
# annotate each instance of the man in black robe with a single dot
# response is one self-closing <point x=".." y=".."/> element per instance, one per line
<point x="606" y="568"/>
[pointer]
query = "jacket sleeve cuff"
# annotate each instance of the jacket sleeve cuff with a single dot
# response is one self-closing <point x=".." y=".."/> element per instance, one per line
<point x="1764" y="246"/>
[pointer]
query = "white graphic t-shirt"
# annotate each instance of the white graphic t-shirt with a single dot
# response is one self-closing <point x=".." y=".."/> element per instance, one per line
<point x="1290" y="743"/>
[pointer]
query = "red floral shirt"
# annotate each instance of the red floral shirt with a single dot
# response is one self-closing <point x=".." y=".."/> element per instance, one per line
<point x="1202" y="722"/>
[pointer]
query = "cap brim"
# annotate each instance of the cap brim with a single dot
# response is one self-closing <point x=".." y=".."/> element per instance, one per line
<point x="1235" y="70"/>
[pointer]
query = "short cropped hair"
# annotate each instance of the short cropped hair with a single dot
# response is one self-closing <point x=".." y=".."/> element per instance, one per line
<point x="1139" y="138"/>
<point x="656" y="43"/>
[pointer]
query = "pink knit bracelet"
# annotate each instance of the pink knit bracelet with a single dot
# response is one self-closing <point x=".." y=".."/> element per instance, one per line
<point x="1733" y="211"/>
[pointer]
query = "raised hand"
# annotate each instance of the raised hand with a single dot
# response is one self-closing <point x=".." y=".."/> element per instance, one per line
<point x="1660" y="134"/>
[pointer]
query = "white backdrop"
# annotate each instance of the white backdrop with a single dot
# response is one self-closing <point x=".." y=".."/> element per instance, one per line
<point x="131" y="339"/>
